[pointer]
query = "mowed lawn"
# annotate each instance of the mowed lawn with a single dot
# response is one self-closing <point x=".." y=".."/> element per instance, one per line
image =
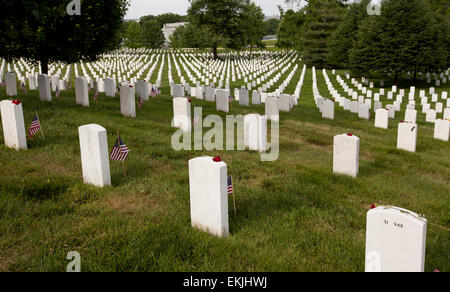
<point x="293" y="214"/>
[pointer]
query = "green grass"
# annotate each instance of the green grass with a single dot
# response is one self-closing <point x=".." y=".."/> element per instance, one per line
<point x="293" y="214"/>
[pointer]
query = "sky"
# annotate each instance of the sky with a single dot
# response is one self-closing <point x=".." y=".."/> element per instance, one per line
<point x="139" y="8"/>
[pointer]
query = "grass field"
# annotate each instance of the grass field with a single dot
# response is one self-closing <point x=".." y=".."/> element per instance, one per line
<point x="293" y="214"/>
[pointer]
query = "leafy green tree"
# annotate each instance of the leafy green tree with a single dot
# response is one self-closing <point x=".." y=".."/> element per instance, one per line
<point x="364" y="55"/>
<point x="441" y="7"/>
<point x="407" y="36"/>
<point x="271" y="26"/>
<point x="222" y="19"/>
<point x="253" y="25"/>
<point x="133" y="38"/>
<point x="410" y="38"/>
<point x="151" y="34"/>
<point x="322" y="17"/>
<point x="290" y="29"/>
<point x="342" y="40"/>
<point x="41" y="30"/>
<point x="192" y="36"/>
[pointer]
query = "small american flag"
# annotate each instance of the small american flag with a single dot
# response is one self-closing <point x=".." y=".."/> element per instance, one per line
<point x="3" y="83"/>
<point x="120" y="151"/>
<point x="436" y="271"/>
<point x="69" y="85"/>
<point x="230" y="185"/>
<point x="35" y="127"/>
<point x="23" y="88"/>
<point x="57" y="91"/>
<point x="159" y="91"/>
<point x="230" y="98"/>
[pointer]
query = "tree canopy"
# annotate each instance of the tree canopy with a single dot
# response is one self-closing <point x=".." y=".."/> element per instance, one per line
<point x="41" y="30"/>
<point x="407" y="36"/>
<point x="222" y="19"/>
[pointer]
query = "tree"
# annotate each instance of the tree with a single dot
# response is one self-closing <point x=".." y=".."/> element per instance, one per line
<point x="253" y="25"/>
<point x="407" y="36"/>
<point x="192" y="36"/>
<point x="151" y="34"/>
<point x="133" y="37"/>
<point x="364" y="55"/>
<point x="290" y="29"/>
<point x="322" y="17"/>
<point x="41" y="30"/>
<point x="222" y="19"/>
<point x="342" y="40"/>
<point x="271" y="26"/>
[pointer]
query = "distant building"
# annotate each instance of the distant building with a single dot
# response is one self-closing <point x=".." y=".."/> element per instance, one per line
<point x="270" y="38"/>
<point x="170" y="28"/>
<point x="271" y="17"/>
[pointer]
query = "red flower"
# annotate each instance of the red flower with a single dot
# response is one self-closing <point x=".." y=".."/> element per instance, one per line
<point x="190" y="100"/>
<point x="349" y="134"/>
<point x="16" y="102"/>
<point x="217" y="159"/>
<point x="373" y="206"/>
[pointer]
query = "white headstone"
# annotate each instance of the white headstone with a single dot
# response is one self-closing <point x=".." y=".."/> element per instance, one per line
<point x="395" y="240"/>
<point x="442" y="130"/>
<point x="255" y="132"/>
<point x="411" y="116"/>
<point x="94" y="155"/>
<point x="364" y="111"/>
<point x="110" y="87"/>
<point x="81" y="91"/>
<point x="286" y="102"/>
<point x="328" y="110"/>
<point x="128" y="101"/>
<point x="382" y="118"/>
<point x="142" y="90"/>
<point x="431" y="116"/>
<point x="447" y="114"/>
<point x="272" y="109"/>
<point x="407" y="136"/>
<point x="182" y="114"/>
<point x="346" y="155"/>
<point x="44" y="88"/>
<point x="256" y="97"/>
<point x="11" y="84"/>
<point x="208" y="195"/>
<point x="210" y="94"/>
<point x="244" y="97"/>
<point x="13" y="125"/>
<point x="222" y="100"/>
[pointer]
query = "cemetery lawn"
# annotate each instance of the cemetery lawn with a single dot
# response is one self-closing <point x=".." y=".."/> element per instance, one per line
<point x="293" y="214"/>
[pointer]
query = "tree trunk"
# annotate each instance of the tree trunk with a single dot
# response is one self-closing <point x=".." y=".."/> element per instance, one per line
<point x="395" y="78"/>
<point x="44" y="66"/>
<point x="215" y="53"/>
<point x="415" y="76"/>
